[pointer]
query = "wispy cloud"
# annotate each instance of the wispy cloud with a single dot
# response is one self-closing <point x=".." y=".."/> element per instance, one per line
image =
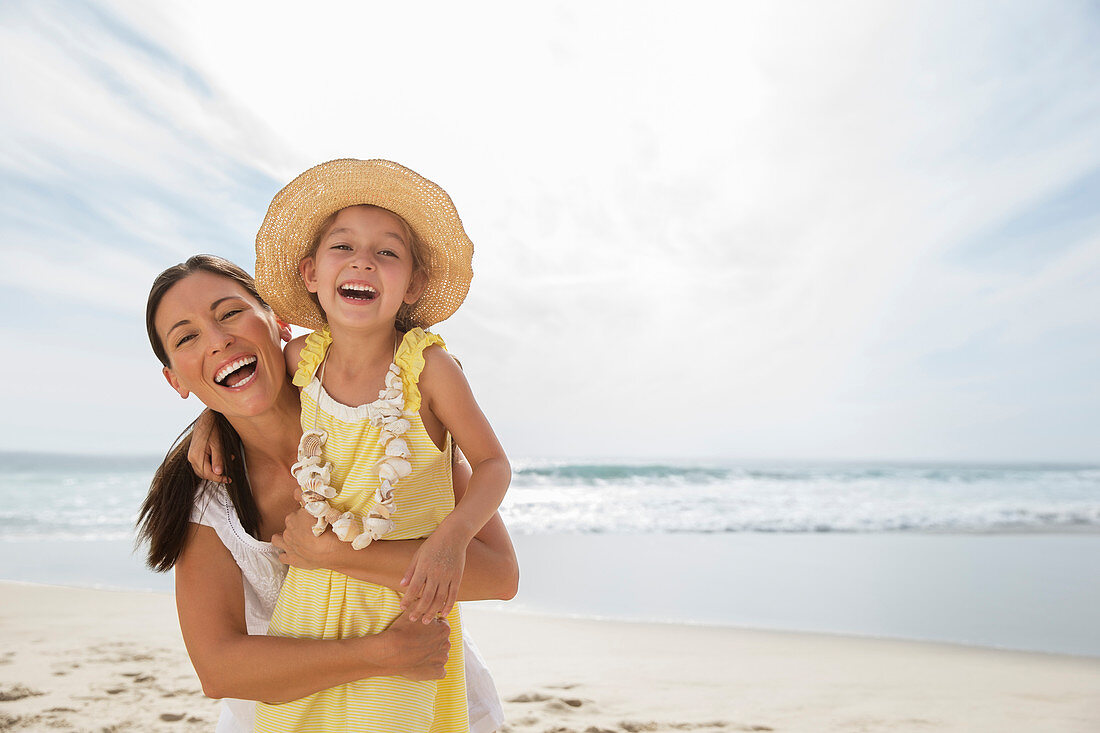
<point x="789" y="229"/>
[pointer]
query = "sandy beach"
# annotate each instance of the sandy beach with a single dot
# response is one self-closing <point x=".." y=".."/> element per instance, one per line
<point x="79" y="659"/>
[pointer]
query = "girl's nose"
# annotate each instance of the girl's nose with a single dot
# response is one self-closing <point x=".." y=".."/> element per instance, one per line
<point x="363" y="262"/>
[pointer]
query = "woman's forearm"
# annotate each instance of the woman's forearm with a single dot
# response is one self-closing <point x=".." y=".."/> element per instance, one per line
<point x="276" y="669"/>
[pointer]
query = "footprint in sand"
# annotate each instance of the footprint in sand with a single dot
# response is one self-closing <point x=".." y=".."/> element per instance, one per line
<point x="529" y="697"/>
<point x="17" y="692"/>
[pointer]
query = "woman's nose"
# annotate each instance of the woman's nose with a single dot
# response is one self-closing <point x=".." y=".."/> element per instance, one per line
<point x="219" y="340"/>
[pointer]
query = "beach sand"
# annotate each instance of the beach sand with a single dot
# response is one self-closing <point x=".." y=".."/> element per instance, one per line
<point x="94" y="660"/>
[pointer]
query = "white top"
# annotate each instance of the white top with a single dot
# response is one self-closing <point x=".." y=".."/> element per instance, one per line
<point x="263" y="575"/>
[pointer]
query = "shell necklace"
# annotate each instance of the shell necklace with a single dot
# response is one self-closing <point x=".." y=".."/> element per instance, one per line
<point x="313" y="475"/>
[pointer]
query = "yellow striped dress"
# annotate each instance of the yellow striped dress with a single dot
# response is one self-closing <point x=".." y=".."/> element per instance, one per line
<point x="321" y="604"/>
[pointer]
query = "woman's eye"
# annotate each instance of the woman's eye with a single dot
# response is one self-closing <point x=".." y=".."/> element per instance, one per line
<point x="184" y="340"/>
<point x="231" y="312"/>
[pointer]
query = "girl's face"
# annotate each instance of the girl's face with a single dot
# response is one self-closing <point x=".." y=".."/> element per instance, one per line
<point x="362" y="271"/>
<point x="222" y="345"/>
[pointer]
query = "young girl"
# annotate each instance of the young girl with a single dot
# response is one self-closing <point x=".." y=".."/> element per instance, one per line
<point x="370" y="254"/>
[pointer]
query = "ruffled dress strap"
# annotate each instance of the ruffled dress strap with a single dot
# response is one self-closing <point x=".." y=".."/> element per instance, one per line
<point x="410" y="359"/>
<point x="313" y="353"/>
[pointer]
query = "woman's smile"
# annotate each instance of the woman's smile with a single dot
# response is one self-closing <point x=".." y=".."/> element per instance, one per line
<point x="237" y="373"/>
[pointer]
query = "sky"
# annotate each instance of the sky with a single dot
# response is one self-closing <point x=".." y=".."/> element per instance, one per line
<point x="728" y="231"/>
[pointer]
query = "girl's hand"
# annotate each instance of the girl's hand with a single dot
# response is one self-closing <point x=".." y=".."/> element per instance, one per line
<point x="433" y="578"/>
<point x="301" y="549"/>
<point x="205" y="451"/>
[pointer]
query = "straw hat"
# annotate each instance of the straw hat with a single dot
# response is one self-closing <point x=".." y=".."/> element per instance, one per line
<point x="302" y="206"/>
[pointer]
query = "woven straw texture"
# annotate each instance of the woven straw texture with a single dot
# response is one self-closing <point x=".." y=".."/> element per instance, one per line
<point x="298" y="210"/>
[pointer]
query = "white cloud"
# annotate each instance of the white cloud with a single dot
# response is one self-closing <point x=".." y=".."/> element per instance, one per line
<point x="753" y="212"/>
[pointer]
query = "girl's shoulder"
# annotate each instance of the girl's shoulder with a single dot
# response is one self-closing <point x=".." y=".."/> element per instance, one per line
<point x="417" y="350"/>
<point x="304" y="354"/>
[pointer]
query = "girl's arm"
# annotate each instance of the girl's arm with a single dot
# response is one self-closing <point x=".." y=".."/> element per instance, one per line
<point x="492" y="571"/>
<point x="231" y="663"/>
<point x="205" y="451"/>
<point x="433" y="577"/>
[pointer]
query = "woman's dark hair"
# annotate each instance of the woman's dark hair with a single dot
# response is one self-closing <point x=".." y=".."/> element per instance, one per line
<point x="166" y="511"/>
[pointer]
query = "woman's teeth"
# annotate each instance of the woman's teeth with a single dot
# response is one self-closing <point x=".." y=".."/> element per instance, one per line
<point x="358" y="291"/>
<point x="224" y="373"/>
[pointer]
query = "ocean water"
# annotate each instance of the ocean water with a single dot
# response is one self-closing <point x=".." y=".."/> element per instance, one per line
<point x="1001" y="556"/>
<point x="96" y="498"/>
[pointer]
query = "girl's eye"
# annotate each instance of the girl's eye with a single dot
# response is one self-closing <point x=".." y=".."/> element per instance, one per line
<point x="388" y="253"/>
<point x="340" y="246"/>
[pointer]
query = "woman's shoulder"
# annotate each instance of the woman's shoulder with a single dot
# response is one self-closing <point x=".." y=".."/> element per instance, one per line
<point x="209" y="504"/>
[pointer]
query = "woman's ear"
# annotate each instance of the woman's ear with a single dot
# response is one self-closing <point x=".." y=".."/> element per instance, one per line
<point x="284" y="331"/>
<point x="416" y="287"/>
<point x="171" y="377"/>
<point x="307" y="268"/>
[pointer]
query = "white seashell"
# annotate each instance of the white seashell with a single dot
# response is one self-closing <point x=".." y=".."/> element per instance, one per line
<point x="386" y="409"/>
<point x="384" y="493"/>
<point x="398" y="447"/>
<point x="385" y="436"/>
<point x="347" y="527"/>
<point x="317" y="508"/>
<point x="311" y="443"/>
<point x="380" y="510"/>
<point x="395" y="369"/>
<point x="298" y="468"/>
<point x="377" y="526"/>
<point x="398" y="426"/>
<point x="391" y="394"/>
<point x="308" y="496"/>
<point x="321" y="473"/>
<point x="393" y="469"/>
<point x="362" y="541"/>
<point x="319" y="528"/>
<point x="393" y="381"/>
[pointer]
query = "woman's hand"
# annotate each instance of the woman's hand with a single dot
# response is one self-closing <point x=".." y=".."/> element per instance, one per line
<point x="205" y="450"/>
<point x="300" y="548"/>
<point x="417" y="651"/>
<point x="433" y="577"/>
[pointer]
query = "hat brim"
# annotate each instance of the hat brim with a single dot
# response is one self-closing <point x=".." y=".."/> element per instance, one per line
<point x="305" y="203"/>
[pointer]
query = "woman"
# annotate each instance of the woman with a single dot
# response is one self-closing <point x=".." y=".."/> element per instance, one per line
<point x="217" y="339"/>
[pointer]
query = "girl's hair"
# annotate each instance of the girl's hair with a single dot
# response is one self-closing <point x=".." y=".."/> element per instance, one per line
<point x="419" y="251"/>
<point x="166" y="511"/>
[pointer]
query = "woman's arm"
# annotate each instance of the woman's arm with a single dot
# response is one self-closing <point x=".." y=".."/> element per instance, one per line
<point x="492" y="571"/>
<point x="231" y="663"/>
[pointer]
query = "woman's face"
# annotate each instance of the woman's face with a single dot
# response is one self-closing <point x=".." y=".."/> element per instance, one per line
<point x="222" y="345"/>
